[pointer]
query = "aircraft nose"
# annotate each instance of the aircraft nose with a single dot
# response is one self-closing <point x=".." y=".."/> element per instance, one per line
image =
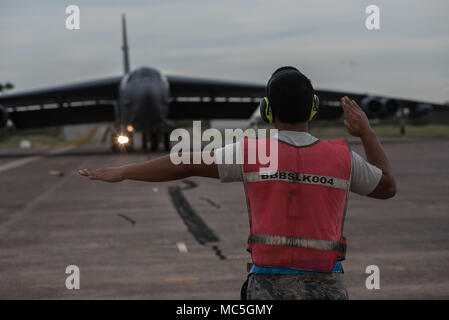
<point x="144" y="95"/>
<point x="146" y="101"/>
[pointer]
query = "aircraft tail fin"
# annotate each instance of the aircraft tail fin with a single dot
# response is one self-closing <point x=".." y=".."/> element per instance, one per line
<point x="125" y="46"/>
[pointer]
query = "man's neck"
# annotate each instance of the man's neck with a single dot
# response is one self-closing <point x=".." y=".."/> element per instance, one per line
<point x="303" y="126"/>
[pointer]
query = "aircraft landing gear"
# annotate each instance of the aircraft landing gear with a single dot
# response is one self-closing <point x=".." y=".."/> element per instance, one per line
<point x="154" y="142"/>
<point x="166" y="141"/>
<point x="144" y="142"/>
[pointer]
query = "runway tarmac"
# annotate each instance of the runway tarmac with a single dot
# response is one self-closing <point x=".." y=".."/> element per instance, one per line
<point x="187" y="239"/>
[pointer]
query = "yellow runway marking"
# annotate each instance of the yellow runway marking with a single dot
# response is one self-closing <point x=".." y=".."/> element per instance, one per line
<point x="181" y="279"/>
<point x="400" y="269"/>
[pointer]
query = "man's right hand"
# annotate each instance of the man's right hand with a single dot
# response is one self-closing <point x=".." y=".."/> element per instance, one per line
<point x="356" y="121"/>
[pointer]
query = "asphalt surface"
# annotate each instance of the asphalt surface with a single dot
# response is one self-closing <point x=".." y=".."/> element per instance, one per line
<point x="186" y="239"/>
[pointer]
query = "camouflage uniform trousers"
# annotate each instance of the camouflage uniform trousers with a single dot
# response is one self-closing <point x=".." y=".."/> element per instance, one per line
<point x="317" y="286"/>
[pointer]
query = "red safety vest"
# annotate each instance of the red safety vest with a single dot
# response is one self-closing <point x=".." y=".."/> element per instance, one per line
<point x="297" y="212"/>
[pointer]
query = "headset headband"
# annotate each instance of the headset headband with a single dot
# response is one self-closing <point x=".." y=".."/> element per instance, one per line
<point x="282" y="70"/>
<point x="276" y="74"/>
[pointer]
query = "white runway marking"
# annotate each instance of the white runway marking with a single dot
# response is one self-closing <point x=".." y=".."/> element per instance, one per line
<point x="18" y="163"/>
<point x="23" y="161"/>
<point x="182" y="247"/>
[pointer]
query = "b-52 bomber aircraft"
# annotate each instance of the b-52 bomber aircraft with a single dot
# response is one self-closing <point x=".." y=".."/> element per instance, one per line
<point x="144" y="100"/>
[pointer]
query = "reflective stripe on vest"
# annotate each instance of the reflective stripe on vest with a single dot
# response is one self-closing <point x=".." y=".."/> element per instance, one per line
<point x="297" y="212"/>
<point x="297" y="242"/>
<point x="297" y="177"/>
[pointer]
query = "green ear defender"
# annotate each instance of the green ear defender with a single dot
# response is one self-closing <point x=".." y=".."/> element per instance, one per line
<point x="315" y="106"/>
<point x="265" y="110"/>
<point x="267" y="115"/>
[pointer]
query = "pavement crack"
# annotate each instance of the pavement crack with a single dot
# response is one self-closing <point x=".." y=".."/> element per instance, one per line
<point x="133" y="222"/>
<point x="218" y="252"/>
<point x="195" y="224"/>
<point x="190" y="184"/>
<point x="213" y="204"/>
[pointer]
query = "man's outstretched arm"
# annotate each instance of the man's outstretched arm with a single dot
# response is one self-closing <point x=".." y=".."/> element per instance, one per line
<point x="358" y="125"/>
<point x="160" y="169"/>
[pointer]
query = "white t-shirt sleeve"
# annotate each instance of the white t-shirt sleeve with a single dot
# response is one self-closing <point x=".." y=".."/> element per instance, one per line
<point x="365" y="176"/>
<point x="228" y="164"/>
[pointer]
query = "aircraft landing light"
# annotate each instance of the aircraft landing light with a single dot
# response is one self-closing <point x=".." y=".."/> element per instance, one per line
<point x="123" y="139"/>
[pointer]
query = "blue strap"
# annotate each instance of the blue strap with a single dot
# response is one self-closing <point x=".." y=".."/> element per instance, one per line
<point x="269" y="270"/>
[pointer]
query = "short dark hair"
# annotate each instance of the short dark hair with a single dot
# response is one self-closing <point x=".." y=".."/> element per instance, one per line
<point x="290" y="94"/>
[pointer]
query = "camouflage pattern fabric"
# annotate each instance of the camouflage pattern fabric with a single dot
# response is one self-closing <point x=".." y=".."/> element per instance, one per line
<point x="318" y="286"/>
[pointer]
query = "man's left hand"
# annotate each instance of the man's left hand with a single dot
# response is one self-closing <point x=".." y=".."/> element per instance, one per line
<point x="111" y="174"/>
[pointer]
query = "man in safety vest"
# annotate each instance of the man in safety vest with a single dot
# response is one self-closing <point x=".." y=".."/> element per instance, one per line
<point x="296" y="212"/>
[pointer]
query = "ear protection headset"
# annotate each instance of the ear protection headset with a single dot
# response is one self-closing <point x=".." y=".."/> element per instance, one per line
<point x="265" y="107"/>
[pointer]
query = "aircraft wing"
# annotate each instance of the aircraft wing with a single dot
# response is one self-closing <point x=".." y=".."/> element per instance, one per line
<point x="194" y="98"/>
<point x="375" y="106"/>
<point x="83" y="102"/>
<point x="215" y="99"/>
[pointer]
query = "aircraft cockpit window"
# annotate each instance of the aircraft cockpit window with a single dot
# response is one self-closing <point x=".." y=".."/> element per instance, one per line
<point x="143" y="74"/>
<point x="148" y="74"/>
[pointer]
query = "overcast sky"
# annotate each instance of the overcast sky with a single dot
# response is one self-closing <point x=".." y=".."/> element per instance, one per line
<point x="235" y="40"/>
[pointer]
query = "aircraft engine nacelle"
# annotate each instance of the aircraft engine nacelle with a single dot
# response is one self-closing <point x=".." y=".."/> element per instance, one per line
<point x="3" y="116"/>
<point x="389" y="108"/>
<point x="372" y="106"/>
<point x="420" y="110"/>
